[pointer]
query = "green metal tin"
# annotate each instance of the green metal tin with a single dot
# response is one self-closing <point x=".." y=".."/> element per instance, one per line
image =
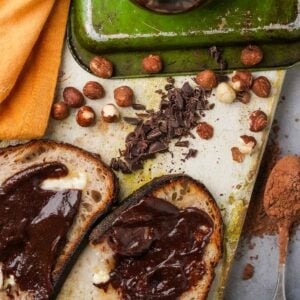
<point x="125" y="33"/>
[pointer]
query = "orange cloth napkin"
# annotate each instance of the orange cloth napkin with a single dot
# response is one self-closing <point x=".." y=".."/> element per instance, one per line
<point x="31" y="39"/>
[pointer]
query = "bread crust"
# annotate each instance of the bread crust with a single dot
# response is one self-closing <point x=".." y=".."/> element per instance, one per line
<point x="162" y="187"/>
<point x="22" y="156"/>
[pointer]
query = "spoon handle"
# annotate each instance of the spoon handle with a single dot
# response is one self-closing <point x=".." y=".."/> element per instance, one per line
<point x="280" y="287"/>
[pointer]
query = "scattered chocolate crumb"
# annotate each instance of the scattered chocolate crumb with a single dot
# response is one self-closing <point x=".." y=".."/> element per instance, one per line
<point x="297" y="120"/>
<point x="138" y="106"/>
<point x="132" y="121"/>
<point x="179" y="113"/>
<point x="182" y="144"/>
<point x="248" y="272"/>
<point x="191" y="154"/>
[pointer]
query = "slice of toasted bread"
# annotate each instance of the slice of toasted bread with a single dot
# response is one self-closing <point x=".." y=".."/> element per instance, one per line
<point x="180" y="190"/>
<point x="97" y="197"/>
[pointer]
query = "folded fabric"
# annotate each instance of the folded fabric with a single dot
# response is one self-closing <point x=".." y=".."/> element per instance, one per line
<point x="31" y="39"/>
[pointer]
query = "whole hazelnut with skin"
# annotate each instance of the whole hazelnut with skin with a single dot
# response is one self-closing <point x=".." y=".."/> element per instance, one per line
<point x="123" y="96"/>
<point x="93" y="90"/>
<point x="207" y="80"/>
<point x="243" y="97"/>
<point x="251" y="56"/>
<point x="152" y="64"/>
<point x="73" y="97"/>
<point x="258" y="121"/>
<point x="261" y="87"/>
<point x="60" y="111"/>
<point x="241" y="80"/>
<point x="205" y="131"/>
<point x="101" y="67"/>
<point x="110" y="113"/>
<point x="85" y="116"/>
<point x="225" y="93"/>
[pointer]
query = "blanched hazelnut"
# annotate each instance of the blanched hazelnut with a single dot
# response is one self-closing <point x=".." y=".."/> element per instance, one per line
<point x="73" y="97"/>
<point x="207" y="80"/>
<point x="93" y="90"/>
<point x="225" y="93"/>
<point x="237" y="155"/>
<point x="258" y="121"/>
<point x="110" y="113"/>
<point x="85" y="116"/>
<point x="251" y="55"/>
<point x="247" y="144"/>
<point x="123" y="96"/>
<point x="243" y="97"/>
<point x="152" y="64"/>
<point x="60" y="111"/>
<point x="101" y="67"/>
<point x="241" y="80"/>
<point x="261" y="87"/>
<point x="205" y="131"/>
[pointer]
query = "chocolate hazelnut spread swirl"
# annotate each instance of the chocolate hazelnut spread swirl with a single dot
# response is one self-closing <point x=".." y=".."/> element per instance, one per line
<point x="158" y="249"/>
<point x="33" y="227"/>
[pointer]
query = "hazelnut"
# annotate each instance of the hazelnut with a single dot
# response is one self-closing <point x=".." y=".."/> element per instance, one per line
<point x="243" y="97"/>
<point x="207" y="79"/>
<point x="93" y="90"/>
<point x="60" y="111"/>
<point x="85" y="116"/>
<point x="258" y="121"/>
<point x="251" y="55"/>
<point x="110" y="113"/>
<point x="73" y="97"/>
<point x="247" y="144"/>
<point x="241" y="80"/>
<point x="152" y="64"/>
<point x="237" y="155"/>
<point x="225" y="93"/>
<point x="101" y="67"/>
<point x="261" y="87"/>
<point x="123" y="96"/>
<point x="205" y="131"/>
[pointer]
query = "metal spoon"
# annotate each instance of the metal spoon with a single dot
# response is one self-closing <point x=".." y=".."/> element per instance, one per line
<point x="283" y="239"/>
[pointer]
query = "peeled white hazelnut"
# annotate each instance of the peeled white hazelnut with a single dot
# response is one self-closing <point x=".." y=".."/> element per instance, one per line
<point x="225" y="93"/>
<point x="100" y="277"/>
<point x="110" y="113"/>
<point x="247" y="144"/>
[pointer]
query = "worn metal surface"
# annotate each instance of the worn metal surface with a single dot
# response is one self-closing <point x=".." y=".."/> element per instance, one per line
<point x="262" y="285"/>
<point x="229" y="182"/>
<point x="126" y="33"/>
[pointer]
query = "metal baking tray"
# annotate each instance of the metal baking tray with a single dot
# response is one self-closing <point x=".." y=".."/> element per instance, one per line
<point x="229" y="182"/>
<point x="125" y="33"/>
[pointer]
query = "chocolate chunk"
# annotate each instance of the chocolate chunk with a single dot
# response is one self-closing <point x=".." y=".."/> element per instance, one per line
<point x="157" y="147"/>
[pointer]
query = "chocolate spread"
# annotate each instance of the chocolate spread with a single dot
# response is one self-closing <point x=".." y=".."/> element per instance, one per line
<point x="158" y="249"/>
<point x="33" y="226"/>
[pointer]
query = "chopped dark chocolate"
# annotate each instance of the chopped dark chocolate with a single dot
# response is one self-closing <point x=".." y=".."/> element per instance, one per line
<point x="191" y="153"/>
<point x="181" y="110"/>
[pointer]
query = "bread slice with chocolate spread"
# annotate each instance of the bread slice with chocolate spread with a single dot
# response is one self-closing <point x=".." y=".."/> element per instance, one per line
<point x="98" y="192"/>
<point x="98" y="259"/>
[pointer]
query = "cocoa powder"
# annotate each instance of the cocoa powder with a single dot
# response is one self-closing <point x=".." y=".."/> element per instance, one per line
<point x="257" y="222"/>
<point x="282" y="192"/>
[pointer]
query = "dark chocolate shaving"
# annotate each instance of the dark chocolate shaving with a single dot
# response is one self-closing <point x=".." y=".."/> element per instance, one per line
<point x="138" y="106"/>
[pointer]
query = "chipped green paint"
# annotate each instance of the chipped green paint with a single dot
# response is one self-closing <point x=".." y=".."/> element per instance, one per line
<point x="125" y="33"/>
